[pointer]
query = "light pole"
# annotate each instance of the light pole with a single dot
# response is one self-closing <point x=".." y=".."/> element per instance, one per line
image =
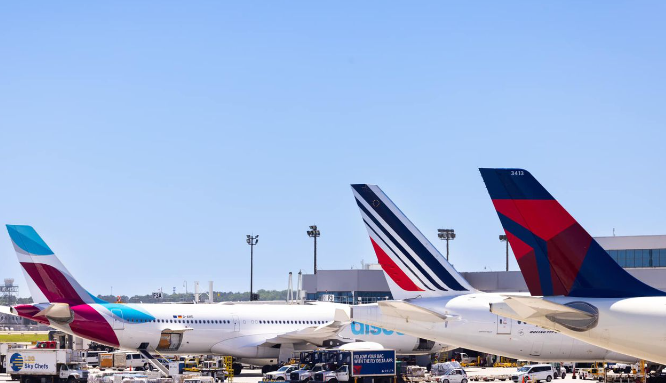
<point x="503" y="238"/>
<point x="252" y="240"/>
<point x="314" y="233"/>
<point x="446" y="235"/>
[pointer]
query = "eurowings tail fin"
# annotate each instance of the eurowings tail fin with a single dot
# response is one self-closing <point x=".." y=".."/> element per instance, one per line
<point x="413" y="266"/>
<point x="555" y="254"/>
<point x="47" y="278"/>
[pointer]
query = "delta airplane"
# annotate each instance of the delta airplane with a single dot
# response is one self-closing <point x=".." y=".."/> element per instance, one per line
<point x="436" y="302"/>
<point x="578" y="288"/>
<point x="251" y="332"/>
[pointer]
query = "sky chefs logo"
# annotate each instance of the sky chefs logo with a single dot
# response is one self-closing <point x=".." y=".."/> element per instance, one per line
<point x="364" y="329"/>
<point x="16" y="361"/>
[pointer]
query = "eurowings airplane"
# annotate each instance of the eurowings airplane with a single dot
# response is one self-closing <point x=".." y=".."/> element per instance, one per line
<point x="578" y="288"/>
<point x="436" y="302"/>
<point x="248" y="331"/>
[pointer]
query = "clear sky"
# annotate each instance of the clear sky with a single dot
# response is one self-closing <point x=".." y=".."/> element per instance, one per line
<point x="143" y="139"/>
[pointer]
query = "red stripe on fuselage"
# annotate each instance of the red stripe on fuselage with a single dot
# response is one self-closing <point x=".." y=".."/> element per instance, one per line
<point x="394" y="271"/>
<point x="90" y="324"/>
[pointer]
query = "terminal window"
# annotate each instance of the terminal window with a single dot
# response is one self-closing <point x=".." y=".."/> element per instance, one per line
<point x="639" y="257"/>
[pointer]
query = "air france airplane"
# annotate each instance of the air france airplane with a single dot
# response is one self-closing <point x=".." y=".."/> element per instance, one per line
<point x="438" y="303"/>
<point x="578" y="288"/>
<point x="248" y="331"/>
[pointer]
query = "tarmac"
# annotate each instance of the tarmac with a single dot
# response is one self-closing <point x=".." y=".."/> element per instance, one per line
<point x="254" y="375"/>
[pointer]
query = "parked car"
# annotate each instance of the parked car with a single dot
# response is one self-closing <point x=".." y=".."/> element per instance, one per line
<point x="282" y="373"/>
<point x="534" y="373"/>
<point x="456" y="375"/>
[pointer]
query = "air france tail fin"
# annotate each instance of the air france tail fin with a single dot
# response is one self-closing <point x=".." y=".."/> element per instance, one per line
<point x="413" y="266"/>
<point x="47" y="278"/>
<point x="555" y="254"/>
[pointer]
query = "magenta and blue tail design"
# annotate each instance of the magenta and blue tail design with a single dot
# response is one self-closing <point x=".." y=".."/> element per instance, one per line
<point x="555" y="254"/>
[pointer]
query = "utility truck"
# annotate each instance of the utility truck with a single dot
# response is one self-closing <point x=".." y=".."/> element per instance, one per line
<point x="376" y="366"/>
<point x="54" y="365"/>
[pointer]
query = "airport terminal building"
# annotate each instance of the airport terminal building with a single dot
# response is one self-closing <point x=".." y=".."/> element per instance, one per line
<point x="644" y="256"/>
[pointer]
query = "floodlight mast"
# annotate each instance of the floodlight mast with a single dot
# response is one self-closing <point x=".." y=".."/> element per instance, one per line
<point x="503" y="238"/>
<point x="314" y="233"/>
<point x="446" y="235"/>
<point x="252" y="240"/>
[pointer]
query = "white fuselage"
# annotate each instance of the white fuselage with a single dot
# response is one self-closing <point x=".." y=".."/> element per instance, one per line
<point x="633" y="326"/>
<point x="473" y="326"/>
<point x="239" y="330"/>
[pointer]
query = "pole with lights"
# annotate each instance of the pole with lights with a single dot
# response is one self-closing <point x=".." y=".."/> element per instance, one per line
<point x="314" y="233"/>
<point x="503" y="238"/>
<point x="446" y="235"/>
<point x="252" y="240"/>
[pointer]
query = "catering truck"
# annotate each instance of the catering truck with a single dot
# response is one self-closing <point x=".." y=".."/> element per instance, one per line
<point x="33" y="365"/>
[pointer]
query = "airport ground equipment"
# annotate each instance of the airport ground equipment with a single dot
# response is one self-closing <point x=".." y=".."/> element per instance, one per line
<point x="314" y="362"/>
<point x="534" y="373"/>
<point x="374" y="366"/>
<point x="33" y="365"/>
<point x="233" y="368"/>
<point x="281" y="374"/>
<point x="454" y="375"/>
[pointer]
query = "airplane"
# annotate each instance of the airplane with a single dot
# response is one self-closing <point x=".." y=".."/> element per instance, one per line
<point x="577" y="288"/>
<point x="432" y="300"/>
<point x="253" y="333"/>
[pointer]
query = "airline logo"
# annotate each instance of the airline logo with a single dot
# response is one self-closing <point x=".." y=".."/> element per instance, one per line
<point x="364" y="329"/>
<point x="406" y="256"/>
<point x="16" y="361"/>
<point x="555" y="253"/>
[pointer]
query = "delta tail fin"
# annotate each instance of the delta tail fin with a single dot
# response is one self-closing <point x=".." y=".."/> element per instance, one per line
<point x="413" y="266"/>
<point x="555" y="254"/>
<point x="47" y="278"/>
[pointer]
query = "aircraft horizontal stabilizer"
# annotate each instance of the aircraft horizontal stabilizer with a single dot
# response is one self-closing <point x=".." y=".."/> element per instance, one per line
<point x="314" y="334"/>
<point x="409" y="311"/>
<point x="577" y="316"/>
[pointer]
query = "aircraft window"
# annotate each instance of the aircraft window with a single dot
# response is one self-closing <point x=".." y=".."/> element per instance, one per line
<point x="180" y="321"/>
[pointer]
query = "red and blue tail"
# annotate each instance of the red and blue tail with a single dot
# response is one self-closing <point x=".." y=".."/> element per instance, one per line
<point x="555" y="254"/>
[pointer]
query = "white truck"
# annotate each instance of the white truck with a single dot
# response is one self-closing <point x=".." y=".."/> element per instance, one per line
<point x="54" y="365"/>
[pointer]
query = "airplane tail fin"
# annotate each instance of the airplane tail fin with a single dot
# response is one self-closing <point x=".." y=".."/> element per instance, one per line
<point x="412" y="264"/>
<point x="555" y="254"/>
<point x="47" y="278"/>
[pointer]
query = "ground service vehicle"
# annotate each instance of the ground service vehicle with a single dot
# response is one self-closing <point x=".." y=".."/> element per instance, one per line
<point x="376" y="366"/>
<point x="559" y="370"/>
<point x="282" y="373"/>
<point x="31" y="365"/>
<point x="455" y="375"/>
<point x="314" y="362"/>
<point x="594" y="371"/>
<point x="534" y="373"/>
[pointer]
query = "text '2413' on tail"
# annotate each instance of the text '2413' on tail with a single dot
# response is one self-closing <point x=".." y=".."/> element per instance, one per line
<point x="555" y="254"/>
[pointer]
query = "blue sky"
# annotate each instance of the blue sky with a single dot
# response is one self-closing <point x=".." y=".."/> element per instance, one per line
<point x="144" y="140"/>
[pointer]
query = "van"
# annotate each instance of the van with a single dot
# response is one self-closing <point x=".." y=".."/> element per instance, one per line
<point x="534" y="373"/>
